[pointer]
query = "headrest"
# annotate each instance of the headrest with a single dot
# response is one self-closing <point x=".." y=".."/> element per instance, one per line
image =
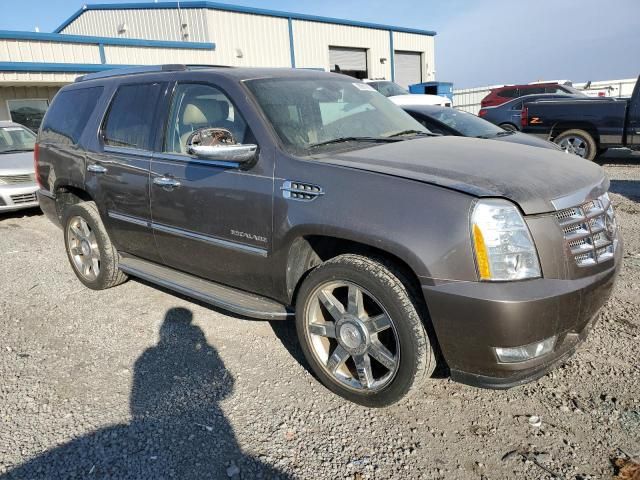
<point x="280" y="114"/>
<point x="193" y="115"/>
<point x="201" y="111"/>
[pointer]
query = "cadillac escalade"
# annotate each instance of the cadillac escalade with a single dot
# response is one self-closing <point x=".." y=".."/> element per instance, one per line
<point x="290" y="194"/>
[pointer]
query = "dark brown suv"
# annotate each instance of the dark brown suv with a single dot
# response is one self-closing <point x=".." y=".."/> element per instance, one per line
<point x="282" y="194"/>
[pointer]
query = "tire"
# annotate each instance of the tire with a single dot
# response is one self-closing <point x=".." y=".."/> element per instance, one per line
<point x="392" y="374"/>
<point x="90" y="248"/>
<point x="578" y="142"/>
<point x="509" y="127"/>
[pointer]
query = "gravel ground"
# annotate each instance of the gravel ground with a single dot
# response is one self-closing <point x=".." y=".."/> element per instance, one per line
<point x="138" y="382"/>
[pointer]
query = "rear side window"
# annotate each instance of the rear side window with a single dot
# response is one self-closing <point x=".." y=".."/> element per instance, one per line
<point x="508" y="93"/>
<point x="68" y="115"/>
<point x="130" y="120"/>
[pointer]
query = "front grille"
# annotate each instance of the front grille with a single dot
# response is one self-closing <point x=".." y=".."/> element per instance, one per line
<point x="25" y="198"/>
<point x="590" y="231"/>
<point x="17" y="179"/>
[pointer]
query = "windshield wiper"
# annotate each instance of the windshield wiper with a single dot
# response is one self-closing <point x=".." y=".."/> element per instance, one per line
<point x="409" y="132"/>
<point x="505" y="133"/>
<point x="354" y="139"/>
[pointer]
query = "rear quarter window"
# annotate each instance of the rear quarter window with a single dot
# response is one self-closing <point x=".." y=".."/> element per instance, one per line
<point x="68" y="115"/>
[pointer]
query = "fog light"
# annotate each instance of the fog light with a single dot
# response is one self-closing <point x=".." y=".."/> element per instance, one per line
<point x="525" y="352"/>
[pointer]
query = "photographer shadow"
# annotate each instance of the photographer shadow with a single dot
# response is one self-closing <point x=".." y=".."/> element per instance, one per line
<point x="177" y="430"/>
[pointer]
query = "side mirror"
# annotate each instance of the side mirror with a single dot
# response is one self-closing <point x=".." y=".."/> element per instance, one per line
<point x="219" y="144"/>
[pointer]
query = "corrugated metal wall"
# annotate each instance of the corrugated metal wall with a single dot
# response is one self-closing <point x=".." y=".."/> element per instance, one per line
<point x="249" y="40"/>
<point x="312" y="41"/>
<point x="468" y="99"/>
<point x="244" y="39"/>
<point x="410" y="42"/>
<point x="120" y="55"/>
<point x="33" y="51"/>
<point x="152" y="24"/>
<point x="12" y="93"/>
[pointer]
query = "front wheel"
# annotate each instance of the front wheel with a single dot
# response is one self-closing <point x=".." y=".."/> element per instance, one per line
<point x="92" y="255"/>
<point x="361" y="332"/>
<point x="578" y="142"/>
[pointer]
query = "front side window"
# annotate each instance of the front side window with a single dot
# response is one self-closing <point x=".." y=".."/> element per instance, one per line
<point x="14" y="138"/>
<point x="305" y="113"/>
<point x="197" y="106"/>
<point x="131" y="116"/>
<point x="68" y="115"/>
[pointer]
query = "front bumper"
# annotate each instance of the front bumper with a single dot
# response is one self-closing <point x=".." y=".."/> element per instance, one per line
<point x="471" y="318"/>
<point x="17" y="197"/>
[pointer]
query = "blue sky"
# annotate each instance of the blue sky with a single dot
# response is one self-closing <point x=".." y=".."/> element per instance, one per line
<point x="478" y="43"/>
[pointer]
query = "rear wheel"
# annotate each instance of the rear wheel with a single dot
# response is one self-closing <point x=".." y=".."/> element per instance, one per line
<point x="509" y="127"/>
<point x="578" y="142"/>
<point x="360" y="331"/>
<point x="93" y="257"/>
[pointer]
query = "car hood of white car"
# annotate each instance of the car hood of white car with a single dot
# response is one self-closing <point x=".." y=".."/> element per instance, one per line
<point x="420" y="99"/>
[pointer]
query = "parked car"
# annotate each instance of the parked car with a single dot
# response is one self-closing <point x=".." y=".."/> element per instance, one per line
<point x="401" y="96"/>
<point x="449" y="121"/>
<point x="586" y="127"/>
<point x="17" y="178"/>
<point x="498" y="96"/>
<point x="508" y="114"/>
<point x="385" y="242"/>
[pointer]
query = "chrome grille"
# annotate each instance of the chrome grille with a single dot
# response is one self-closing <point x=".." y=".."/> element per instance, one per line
<point x="17" y="179"/>
<point x="590" y="231"/>
<point x="24" y="198"/>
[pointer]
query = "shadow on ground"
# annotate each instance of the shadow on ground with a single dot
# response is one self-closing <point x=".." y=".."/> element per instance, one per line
<point x="178" y="429"/>
<point x="628" y="188"/>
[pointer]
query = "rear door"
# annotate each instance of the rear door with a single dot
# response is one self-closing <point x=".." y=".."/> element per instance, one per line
<point x="120" y="168"/>
<point x="211" y="218"/>
<point x="633" y="118"/>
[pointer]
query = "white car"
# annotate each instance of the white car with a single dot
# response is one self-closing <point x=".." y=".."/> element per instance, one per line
<point x="17" y="176"/>
<point x="400" y="96"/>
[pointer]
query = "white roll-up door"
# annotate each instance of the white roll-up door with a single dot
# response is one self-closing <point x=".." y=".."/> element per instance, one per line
<point x="408" y="68"/>
<point x="352" y="59"/>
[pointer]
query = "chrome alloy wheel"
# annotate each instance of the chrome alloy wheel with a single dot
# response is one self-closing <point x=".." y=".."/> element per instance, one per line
<point x="352" y="336"/>
<point x="575" y="145"/>
<point x="83" y="248"/>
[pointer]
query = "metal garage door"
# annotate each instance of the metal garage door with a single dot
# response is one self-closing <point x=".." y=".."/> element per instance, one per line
<point x="348" y="59"/>
<point x="408" y="68"/>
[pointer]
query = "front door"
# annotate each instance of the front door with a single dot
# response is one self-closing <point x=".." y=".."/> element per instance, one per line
<point x="211" y="218"/>
<point x="633" y="118"/>
<point x="120" y="168"/>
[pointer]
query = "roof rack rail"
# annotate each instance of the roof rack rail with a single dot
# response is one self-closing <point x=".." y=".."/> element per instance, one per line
<point x="117" y="72"/>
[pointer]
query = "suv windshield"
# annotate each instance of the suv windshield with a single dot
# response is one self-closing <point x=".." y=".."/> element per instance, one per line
<point x="388" y="89"/>
<point x="467" y="124"/>
<point x="330" y="114"/>
<point x="15" y="138"/>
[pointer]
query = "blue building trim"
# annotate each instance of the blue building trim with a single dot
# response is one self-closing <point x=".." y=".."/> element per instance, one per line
<point x="392" y="56"/>
<point x="56" y="67"/>
<point x="103" y="57"/>
<point x="239" y="9"/>
<point x="127" y="42"/>
<point x="291" y="45"/>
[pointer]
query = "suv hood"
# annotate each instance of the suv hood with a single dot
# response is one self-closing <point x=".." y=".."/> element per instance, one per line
<point x="530" y="176"/>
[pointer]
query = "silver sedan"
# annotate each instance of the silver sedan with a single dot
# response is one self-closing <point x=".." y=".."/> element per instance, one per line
<point x="17" y="176"/>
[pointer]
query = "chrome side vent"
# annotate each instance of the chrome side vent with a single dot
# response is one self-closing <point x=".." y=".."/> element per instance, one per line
<point x="590" y="231"/>
<point x="303" y="192"/>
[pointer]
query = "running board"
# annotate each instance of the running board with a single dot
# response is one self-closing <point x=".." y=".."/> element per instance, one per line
<point x="228" y="298"/>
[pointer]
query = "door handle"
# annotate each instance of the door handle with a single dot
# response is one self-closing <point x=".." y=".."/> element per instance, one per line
<point x="95" y="168"/>
<point x="166" y="182"/>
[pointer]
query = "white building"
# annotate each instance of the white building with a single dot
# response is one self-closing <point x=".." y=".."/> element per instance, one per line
<point x="97" y="37"/>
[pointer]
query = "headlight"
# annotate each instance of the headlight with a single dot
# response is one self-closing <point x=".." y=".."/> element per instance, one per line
<point x="502" y="243"/>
